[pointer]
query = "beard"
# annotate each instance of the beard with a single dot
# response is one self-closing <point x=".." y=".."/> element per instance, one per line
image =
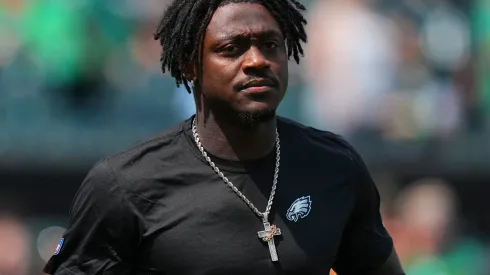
<point x="247" y="119"/>
<point x="253" y="118"/>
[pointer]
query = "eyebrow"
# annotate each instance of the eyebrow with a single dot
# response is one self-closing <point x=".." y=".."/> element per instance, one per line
<point x="231" y="35"/>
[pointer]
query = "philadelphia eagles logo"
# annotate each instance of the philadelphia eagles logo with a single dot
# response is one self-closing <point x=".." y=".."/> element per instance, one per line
<point x="299" y="209"/>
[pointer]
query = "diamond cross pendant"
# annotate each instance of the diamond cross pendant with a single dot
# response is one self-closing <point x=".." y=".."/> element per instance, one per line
<point x="267" y="235"/>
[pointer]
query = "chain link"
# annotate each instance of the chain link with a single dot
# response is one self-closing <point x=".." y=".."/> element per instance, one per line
<point x="265" y="214"/>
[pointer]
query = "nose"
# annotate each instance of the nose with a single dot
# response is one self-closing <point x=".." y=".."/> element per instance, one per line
<point x="255" y="59"/>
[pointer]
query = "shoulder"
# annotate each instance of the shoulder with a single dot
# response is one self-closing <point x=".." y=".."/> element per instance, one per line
<point x="148" y="149"/>
<point x="319" y="142"/>
<point x="99" y="192"/>
<point x="143" y="158"/>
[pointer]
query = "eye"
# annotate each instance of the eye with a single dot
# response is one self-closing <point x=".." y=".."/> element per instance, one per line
<point x="271" y="45"/>
<point x="230" y="49"/>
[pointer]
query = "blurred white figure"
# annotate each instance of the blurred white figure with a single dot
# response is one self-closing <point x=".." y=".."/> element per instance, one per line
<point x="351" y="61"/>
<point x="446" y="37"/>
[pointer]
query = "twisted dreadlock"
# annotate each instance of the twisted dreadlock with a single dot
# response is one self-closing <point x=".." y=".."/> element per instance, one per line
<point x="181" y="31"/>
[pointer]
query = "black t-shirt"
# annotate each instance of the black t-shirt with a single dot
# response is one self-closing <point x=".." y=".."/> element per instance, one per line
<point x="159" y="208"/>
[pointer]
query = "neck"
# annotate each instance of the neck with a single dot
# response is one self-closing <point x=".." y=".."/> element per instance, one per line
<point x="231" y="141"/>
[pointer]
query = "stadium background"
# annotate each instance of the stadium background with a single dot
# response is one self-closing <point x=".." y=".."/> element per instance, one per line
<point x="405" y="81"/>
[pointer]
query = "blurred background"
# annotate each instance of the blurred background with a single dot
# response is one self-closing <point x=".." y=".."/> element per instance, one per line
<point x="405" y="81"/>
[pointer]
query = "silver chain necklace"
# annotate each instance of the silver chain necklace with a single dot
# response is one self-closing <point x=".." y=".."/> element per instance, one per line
<point x="270" y="231"/>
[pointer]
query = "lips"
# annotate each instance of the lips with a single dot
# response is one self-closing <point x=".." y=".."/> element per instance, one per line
<point x="259" y="84"/>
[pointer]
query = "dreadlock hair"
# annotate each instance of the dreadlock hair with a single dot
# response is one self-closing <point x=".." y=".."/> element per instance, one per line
<point x="183" y="25"/>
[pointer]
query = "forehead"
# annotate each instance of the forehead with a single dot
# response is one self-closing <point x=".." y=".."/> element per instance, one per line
<point x="241" y="18"/>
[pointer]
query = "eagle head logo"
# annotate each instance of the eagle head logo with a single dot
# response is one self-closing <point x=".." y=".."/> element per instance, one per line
<point x="299" y="209"/>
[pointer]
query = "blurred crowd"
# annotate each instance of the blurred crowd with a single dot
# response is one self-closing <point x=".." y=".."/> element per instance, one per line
<point x="403" y="70"/>
<point x="82" y="78"/>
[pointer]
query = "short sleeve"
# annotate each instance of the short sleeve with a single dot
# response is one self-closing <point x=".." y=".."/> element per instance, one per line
<point x="365" y="244"/>
<point x="102" y="232"/>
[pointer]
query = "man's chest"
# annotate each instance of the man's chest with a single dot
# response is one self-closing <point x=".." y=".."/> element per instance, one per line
<point x="206" y="228"/>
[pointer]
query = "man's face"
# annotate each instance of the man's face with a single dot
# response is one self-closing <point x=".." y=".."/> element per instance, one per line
<point x="244" y="68"/>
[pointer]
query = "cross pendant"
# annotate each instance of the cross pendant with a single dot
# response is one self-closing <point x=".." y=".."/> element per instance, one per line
<point x="267" y="235"/>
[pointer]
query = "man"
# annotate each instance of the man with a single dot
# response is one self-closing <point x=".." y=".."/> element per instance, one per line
<point x="234" y="189"/>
